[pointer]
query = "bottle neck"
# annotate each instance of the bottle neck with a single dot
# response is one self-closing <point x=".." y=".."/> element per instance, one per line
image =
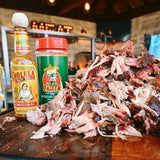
<point x="21" y="41"/>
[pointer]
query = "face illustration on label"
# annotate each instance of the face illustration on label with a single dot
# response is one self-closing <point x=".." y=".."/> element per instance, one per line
<point x="25" y="93"/>
<point x="51" y="79"/>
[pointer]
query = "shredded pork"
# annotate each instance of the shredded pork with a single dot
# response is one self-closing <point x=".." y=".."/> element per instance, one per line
<point x="110" y="97"/>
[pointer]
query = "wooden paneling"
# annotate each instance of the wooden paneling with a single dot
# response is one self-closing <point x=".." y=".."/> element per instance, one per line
<point x="100" y="9"/>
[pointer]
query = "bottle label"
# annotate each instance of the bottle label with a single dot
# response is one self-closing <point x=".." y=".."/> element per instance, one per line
<point x="21" y="42"/>
<point x="52" y="75"/>
<point x="25" y="88"/>
<point x="51" y="79"/>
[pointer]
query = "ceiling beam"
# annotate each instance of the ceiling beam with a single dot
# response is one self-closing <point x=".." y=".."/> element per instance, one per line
<point x="76" y="4"/>
<point x="70" y="8"/>
<point x="109" y="5"/>
<point x="132" y="13"/>
<point x="77" y="10"/>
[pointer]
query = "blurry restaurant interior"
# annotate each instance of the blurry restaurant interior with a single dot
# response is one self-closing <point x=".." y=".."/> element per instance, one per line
<point x="110" y="22"/>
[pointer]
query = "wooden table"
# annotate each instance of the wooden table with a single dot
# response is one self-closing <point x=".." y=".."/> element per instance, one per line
<point x="15" y="143"/>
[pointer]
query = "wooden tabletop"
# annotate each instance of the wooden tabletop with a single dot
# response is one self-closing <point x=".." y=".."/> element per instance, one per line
<point x="15" y="143"/>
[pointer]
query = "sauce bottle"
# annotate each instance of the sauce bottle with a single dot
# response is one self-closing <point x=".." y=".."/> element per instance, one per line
<point x="23" y="69"/>
<point x="52" y="65"/>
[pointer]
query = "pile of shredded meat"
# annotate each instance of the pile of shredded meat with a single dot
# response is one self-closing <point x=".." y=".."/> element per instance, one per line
<point x="116" y="95"/>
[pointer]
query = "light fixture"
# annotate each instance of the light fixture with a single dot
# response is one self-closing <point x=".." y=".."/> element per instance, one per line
<point x="110" y="32"/>
<point x="51" y="2"/>
<point x="87" y="6"/>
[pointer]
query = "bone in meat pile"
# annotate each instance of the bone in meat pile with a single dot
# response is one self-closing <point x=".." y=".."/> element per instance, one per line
<point x="116" y="95"/>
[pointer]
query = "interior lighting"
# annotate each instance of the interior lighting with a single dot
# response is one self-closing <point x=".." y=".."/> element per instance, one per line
<point x="87" y="6"/>
<point x="110" y="32"/>
<point x="51" y="2"/>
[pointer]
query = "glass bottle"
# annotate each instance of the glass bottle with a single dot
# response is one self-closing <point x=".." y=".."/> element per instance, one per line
<point x="24" y="74"/>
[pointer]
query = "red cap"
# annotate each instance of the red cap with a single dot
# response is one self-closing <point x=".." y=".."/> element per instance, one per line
<point x="51" y="43"/>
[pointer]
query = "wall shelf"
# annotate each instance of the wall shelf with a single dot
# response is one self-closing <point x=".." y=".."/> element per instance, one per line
<point x="5" y="30"/>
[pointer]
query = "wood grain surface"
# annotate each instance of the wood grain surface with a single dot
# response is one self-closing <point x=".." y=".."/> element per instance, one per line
<point x="15" y="143"/>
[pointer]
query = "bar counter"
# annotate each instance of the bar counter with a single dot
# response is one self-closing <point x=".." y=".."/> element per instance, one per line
<point x="15" y="143"/>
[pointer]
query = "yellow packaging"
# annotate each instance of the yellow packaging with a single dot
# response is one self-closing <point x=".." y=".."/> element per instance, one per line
<point x="23" y="69"/>
<point x="24" y="78"/>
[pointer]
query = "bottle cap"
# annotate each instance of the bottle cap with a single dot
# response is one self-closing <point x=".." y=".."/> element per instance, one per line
<point x="20" y="20"/>
<point x="51" y="43"/>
